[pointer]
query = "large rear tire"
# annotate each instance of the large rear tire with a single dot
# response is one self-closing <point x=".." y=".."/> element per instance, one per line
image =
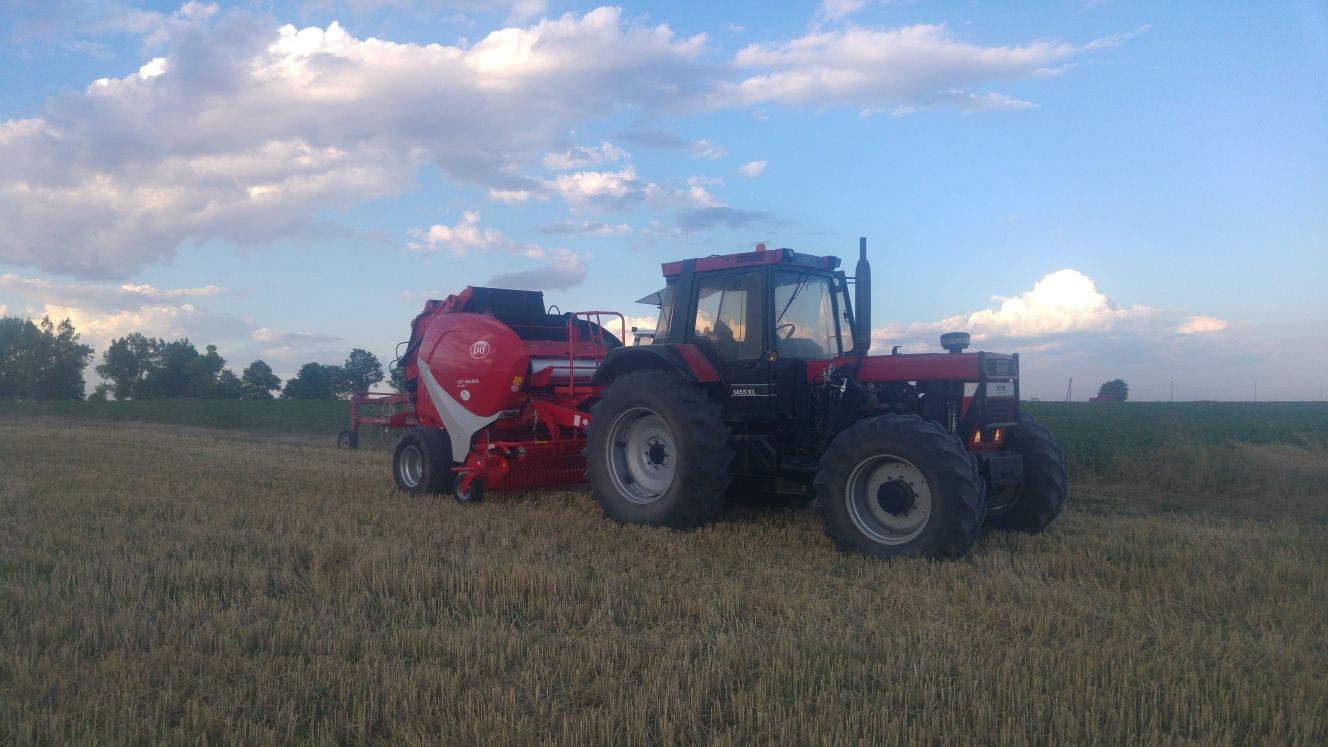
<point x="657" y="451"/>
<point x="1046" y="480"/>
<point x="422" y="462"/>
<point x="895" y="485"/>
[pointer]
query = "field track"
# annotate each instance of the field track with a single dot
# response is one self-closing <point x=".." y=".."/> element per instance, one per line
<point x="160" y="585"/>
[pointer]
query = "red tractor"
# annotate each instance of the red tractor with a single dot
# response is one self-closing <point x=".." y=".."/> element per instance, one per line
<point x="757" y="382"/>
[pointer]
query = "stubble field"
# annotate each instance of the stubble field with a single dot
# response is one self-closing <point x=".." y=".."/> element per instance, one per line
<point x="158" y="585"/>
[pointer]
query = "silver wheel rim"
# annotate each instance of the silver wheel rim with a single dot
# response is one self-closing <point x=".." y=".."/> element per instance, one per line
<point x="641" y="455"/>
<point x="411" y="466"/>
<point x="888" y="499"/>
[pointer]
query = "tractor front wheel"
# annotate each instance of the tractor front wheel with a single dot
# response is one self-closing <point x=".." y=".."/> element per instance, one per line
<point x="422" y="462"/>
<point x="658" y="451"/>
<point x="897" y="485"/>
<point x="1041" y="496"/>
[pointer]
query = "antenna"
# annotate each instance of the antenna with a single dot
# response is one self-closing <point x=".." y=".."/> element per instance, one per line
<point x="1068" y="387"/>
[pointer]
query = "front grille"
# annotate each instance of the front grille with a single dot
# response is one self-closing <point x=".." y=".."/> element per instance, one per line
<point x="999" y="411"/>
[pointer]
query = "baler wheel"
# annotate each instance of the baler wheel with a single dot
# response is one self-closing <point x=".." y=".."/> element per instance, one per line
<point x="347" y="440"/>
<point x="657" y="451"/>
<point x="1042" y="494"/>
<point x="473" y="495"/>
<point x="896" y="485"/>
<point x="422" y="462"/>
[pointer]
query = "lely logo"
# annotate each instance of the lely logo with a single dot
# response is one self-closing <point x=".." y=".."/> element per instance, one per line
<point x="480" y="349"/>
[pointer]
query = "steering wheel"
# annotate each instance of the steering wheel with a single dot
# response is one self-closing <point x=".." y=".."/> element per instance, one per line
<point x="787" y="335"/>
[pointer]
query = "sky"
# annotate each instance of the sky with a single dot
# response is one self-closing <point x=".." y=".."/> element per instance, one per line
<point x="1111" y="189"/>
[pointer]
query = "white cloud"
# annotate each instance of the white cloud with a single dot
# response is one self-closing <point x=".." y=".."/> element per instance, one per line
<point x="704" y="148"/>
<point x="581" y="156"/>
<point x="515" y="196"/>
<point x="838" y="9"/>
<point x="607" y="191"/>
<point x="102" y="296"/>
<point x="915" y="65"/>
<point x="463" y="238"/>
<point x="281" y="337"/>
<point x="1197" y="325"/>
<point x="562" y="268"/>
<point x="237" y="132"/>
<point x="242" y="135"/>
<point x="1064" y="301"/>
<point x="752" y="169"/>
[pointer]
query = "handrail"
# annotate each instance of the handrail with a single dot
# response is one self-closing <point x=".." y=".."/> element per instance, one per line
<point x="595" y="328"/>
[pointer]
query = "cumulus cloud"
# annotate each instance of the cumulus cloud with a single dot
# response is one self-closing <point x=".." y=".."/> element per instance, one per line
<point x="562" y="268"/>
<point x="607" y="191"/>
<point x="1066" y="327"/>
<point x="919" y="65"/>
<point x="463" y="238"/>
<point x="1063" y="305"/>
<point x="1197" y="325"/>
<point x="243" y="135"/>
<point x="581" y="156"/>
<point x="234" y="131"/>
<point x="752" y="169"/>
<point x="100" y="296"/>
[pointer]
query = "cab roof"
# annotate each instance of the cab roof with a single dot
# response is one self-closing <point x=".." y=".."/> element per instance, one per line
<point x="761" y="256"/>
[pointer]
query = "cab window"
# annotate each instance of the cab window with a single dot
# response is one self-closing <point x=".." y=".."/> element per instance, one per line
<point x="805" y="316"/>
<point x="728" y="315"/>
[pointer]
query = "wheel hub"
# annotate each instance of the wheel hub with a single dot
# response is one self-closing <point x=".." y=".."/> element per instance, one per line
<point x="896" y="497"/>
<point x="657" y="453"/>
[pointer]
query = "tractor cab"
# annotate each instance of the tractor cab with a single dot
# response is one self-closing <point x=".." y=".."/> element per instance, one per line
<point x="757" y="317"/>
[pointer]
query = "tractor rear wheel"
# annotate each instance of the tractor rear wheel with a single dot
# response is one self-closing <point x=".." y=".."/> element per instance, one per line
<point x="422" y="462"/>
<point x="1041" y="496"/>
<point x="657" y="451"/>
<point x="897" y="485"/>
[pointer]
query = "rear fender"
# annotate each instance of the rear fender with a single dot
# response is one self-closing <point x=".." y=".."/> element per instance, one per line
<point x="687" y="360"/>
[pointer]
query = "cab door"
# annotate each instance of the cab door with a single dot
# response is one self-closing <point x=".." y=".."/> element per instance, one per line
<point x="730" y="324"/>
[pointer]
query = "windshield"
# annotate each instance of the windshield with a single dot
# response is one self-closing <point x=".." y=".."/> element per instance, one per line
<point x="805" y="326"/>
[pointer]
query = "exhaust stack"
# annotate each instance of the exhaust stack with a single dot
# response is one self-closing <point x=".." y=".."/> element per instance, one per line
<point x="862" y="300"/>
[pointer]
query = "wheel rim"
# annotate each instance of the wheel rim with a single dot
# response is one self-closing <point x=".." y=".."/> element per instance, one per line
<point x="888" y="499"/>
<point x="411" y="466"/>
<point x="642" y="455"/>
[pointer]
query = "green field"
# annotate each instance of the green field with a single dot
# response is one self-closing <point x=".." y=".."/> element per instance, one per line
<point x="165" y="584"/>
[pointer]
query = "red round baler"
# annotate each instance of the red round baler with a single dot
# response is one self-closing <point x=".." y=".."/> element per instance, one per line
<point x="507" y="382"/>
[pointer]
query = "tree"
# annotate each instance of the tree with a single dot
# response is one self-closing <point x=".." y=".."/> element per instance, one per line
<point x="360" y="371"/>
<point x="258" y="381"/>
<point x="176" y="372"/>
<point x="314" y="381"/>
<point x="1115" y="390"/>
<point x="397" y="380"/>
<point x="100" y="393"/>
<point x="227" y="386"/>
<point x="126" y="363"/>
<point x="41" y="360"/>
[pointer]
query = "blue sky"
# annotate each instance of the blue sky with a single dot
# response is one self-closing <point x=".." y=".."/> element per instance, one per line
<point x="1113" y="189"/>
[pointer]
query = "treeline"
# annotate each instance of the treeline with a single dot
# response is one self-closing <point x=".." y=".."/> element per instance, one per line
<point x="42" y="360"/>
